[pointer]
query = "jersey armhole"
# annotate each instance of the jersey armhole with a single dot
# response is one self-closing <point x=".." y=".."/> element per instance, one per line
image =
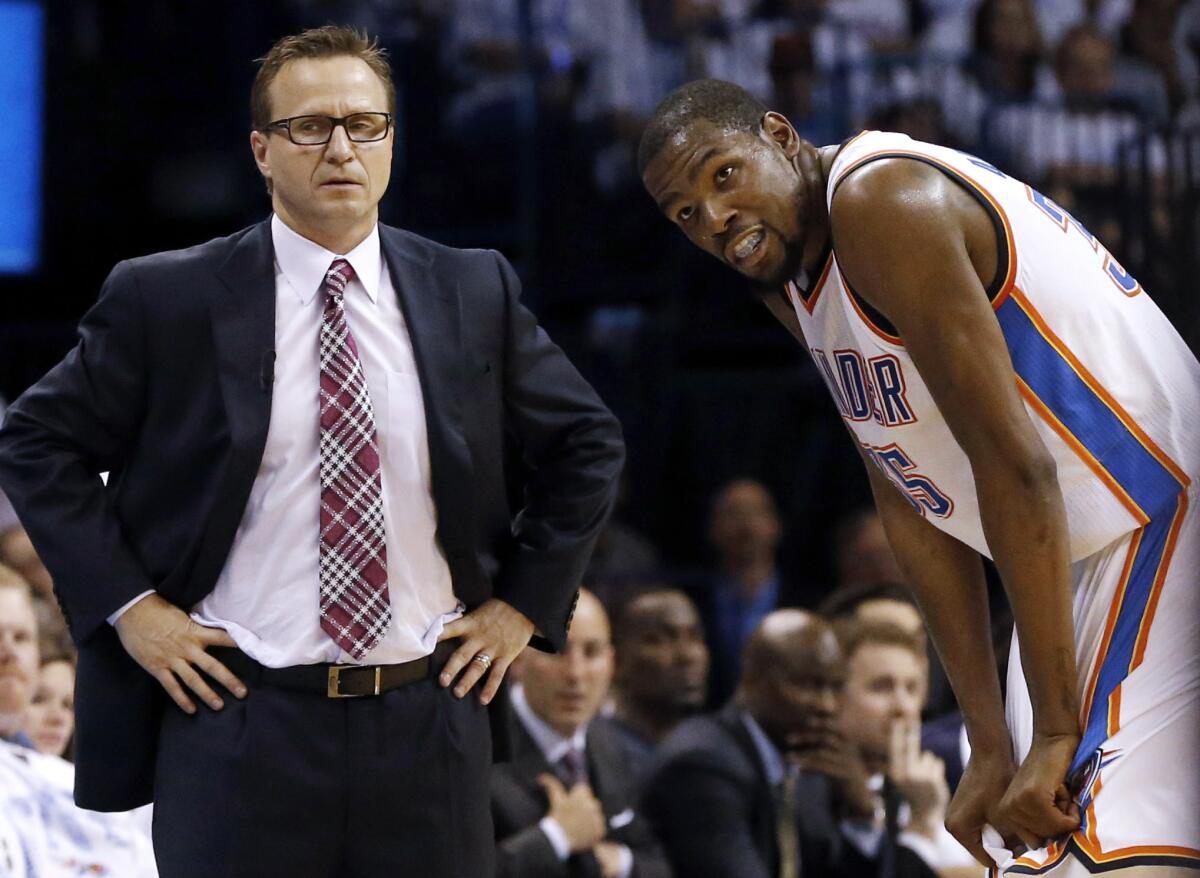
<point x="873" y="317"/>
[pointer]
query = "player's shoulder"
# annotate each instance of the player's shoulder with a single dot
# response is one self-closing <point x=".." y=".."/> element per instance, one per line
<point x="900" y="185"/>
<point x="894" y="200"/>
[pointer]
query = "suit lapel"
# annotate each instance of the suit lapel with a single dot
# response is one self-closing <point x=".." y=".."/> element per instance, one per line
<point x="431" y="305"/>
<point x="242" y="312"/>
<point x="528" y="760"/>
<point x="243" y="322"/>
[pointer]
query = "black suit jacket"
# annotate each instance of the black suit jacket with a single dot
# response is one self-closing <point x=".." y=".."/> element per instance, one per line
<point x="709" y="800"/>
<point x="518" y="803"/>
<point x="708" y="797"/>
<point x="169" y="390"/>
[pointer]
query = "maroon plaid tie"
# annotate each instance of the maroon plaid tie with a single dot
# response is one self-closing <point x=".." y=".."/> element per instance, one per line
<point x="355" y="609"/>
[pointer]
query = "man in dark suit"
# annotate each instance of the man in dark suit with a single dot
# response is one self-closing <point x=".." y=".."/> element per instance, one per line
<point x="661" y="670"/>
<point x="330" y="443"/>
<point x="564" y="806"/>
<point x="757" y="790"/>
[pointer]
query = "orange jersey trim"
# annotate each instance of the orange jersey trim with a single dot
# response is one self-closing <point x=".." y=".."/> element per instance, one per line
<point x="1090" y="380"/>
<point x="1010" y="240"/>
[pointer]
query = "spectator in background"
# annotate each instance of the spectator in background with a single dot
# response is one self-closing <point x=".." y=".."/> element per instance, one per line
<point x="744" y="531"/>
<point x="861" y="553"/>
<point x="563" y="805"/>
<point x="819" y="68"/>
<point x="1006" y="62"/>
<point x="1056" y="17"/>
<point x="661" y="669"/>
<point x="720" y="795"/>
<point x="1149" y="67"/>
<point x="1074" y="138"/>
<point x="18" y="655"/>
<point x="884" y="692"/>
<point x="49" y="720"/>
<point x="756" y="790"/>
<point x="485" y="54"/>
<point x="18" y="556"/>
<point x="17" y="552"/>
<point x="893" y="604"/>
<point x="42" y="832"/>
<point x="796" y="89"/>
<point x="885" y="24"/>
<point x="879" y="602"/>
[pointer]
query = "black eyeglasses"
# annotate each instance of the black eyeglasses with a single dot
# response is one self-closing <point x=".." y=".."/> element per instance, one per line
<point x="316" y="130"/>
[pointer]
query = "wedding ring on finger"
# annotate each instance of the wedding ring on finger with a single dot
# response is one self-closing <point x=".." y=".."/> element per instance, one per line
<point x="484" y="659"/>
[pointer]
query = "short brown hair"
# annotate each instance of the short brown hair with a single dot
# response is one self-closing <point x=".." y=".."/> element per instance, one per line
<point x="329" y="41"/>
<point x="853" y="634"/>
<point x="10" y="578"/>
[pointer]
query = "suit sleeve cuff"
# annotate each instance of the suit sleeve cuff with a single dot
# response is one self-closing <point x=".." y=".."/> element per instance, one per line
<point x="557" y="836"/>
<point x="626" y="866"/>
<point x="112" y="620"/>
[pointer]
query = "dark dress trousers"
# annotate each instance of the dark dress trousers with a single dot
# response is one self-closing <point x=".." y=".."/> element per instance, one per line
<point x="169" y="389"/>
<point x="519" y="802"/>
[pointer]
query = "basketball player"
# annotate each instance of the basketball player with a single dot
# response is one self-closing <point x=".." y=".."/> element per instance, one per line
<point x="1014" y="394"/>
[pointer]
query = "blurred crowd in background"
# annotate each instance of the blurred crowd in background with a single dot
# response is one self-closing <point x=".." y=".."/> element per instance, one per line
<point x="517" y="124"/>
<point x="516" y="129"/>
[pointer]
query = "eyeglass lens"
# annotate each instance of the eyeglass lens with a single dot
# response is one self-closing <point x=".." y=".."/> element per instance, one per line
<point x="361" y="128"/>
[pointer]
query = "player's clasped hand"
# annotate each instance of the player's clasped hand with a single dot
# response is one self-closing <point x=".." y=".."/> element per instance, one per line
<point x="1027" y="807"/>
<point x="1037" y="803"/>
<point x="165" y="641"/>
<point x="973" y="805"/>
<point x="493" y="634"/>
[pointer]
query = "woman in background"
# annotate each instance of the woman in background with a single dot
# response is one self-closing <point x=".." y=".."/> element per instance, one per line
<point x="50" y="718"/>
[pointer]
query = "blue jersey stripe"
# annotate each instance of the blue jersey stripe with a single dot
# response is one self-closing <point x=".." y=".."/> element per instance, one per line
<point x="1130" y="463"/>
<point x="1088" y="417"/>
<point x="1116" y="661"/>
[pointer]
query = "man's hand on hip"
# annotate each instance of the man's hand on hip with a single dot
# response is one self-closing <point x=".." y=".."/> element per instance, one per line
<point x="492" y="634"/>
<point x="165" y="641"/>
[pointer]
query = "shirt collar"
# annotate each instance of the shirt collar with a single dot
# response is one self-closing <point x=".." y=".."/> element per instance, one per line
<point x="305" y="263"/>
<point x="771" y="758"/>
<point x="20" y="739"/>
<point x="553" y="745"/>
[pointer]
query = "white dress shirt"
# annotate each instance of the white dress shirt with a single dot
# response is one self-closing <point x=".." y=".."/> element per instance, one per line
<point x="554" y="747"/>
<point x="267" y="594"/>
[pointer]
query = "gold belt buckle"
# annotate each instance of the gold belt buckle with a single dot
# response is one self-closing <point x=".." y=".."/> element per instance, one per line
<point x="332" y="688"/>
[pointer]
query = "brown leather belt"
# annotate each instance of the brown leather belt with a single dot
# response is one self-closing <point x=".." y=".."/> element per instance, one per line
<point x="336" y="681"/>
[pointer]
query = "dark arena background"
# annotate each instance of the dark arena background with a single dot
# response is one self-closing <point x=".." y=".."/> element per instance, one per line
<point x="144" y="147"/>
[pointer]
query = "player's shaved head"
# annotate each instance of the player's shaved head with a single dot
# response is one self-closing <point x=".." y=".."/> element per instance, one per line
<point x="723" y="105"/>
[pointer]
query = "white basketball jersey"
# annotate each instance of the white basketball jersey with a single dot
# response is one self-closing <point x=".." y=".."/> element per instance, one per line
<point x="1109" y="384"/>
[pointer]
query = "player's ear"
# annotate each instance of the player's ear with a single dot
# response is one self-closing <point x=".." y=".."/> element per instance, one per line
<point x="779" y="131"/>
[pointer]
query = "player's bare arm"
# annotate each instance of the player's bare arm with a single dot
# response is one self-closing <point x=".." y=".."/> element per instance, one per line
<point x="946" y="577"/>
<point x="919" y="249"/>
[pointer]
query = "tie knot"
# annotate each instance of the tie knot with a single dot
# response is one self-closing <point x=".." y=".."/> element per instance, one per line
<point x="574" y="765"/>
<point x="338" y="278"/>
